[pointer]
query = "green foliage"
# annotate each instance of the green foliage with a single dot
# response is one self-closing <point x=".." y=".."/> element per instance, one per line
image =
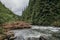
<point x="6" y="15"/>
<point x="42" y="12"/>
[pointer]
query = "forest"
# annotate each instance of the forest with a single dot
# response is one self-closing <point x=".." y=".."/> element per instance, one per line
<point x="38" y="12"/>
<point x="43" y="12"/>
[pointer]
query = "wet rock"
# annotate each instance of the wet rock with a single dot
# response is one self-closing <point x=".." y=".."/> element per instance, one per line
<point x="2" y="37"/>
<point x="42" y="38"/>
<point x="33" y="38"/>
<point x="9" y="35"/>
<point x="16" y="25"/>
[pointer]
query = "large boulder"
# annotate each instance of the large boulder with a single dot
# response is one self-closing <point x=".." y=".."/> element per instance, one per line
<point x="9" y="35"/>
<point x="16" y="25"/>
<point x="2" y="37"/>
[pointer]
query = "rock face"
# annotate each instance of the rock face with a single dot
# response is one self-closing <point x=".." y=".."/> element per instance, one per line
<point x="16" y="25"/>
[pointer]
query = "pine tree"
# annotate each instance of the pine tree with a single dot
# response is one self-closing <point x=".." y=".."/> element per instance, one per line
<point x="6" y="15"/>
<point x="42" y="12"/>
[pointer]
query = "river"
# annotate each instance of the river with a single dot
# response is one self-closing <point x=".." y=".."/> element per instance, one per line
<point x="38" y="33"/>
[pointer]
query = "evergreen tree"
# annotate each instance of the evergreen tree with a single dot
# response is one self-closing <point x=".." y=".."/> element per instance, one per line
<point x="42" y="12"/>
<point x="6" y="15"/>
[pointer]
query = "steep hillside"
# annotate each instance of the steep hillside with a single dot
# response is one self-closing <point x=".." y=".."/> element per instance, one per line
<point x="43" y="12"/>
<point x="6" y="15"/>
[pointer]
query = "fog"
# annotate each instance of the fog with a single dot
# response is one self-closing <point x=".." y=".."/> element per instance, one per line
<point x="17" y="6"/>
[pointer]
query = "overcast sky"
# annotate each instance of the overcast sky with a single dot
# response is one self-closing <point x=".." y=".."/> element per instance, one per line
<point x="16" y="5"/>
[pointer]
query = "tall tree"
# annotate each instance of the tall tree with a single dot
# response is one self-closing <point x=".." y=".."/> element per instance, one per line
<point x="42" y="12"/>
<point x="6" y="15"/>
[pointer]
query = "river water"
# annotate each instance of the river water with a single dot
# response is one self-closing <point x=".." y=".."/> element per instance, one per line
<point x="38" y="33"/>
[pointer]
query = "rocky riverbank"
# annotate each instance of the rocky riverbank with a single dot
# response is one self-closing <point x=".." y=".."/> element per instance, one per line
<point x="17" y="25"/>
<point x="7" y="36"/>
<point x="7" y="27"/>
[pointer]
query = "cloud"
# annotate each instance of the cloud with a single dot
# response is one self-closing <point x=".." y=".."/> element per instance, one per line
<point x="16" y="6"/>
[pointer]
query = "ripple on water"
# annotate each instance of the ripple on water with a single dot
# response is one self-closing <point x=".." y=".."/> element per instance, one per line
<point x="36" y="31"/>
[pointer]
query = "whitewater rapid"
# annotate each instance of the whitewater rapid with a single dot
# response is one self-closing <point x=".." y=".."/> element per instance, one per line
<point x="47" y="32"/>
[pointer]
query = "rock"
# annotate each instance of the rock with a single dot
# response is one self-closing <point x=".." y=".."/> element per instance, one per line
<point x="2" y="36"/>
<point x="9" y="35"/>
<point x="42" y="38"/>
<point x="5" y="39"/>
<point x="12" y="38"/>
<point x="16" y="25"/>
